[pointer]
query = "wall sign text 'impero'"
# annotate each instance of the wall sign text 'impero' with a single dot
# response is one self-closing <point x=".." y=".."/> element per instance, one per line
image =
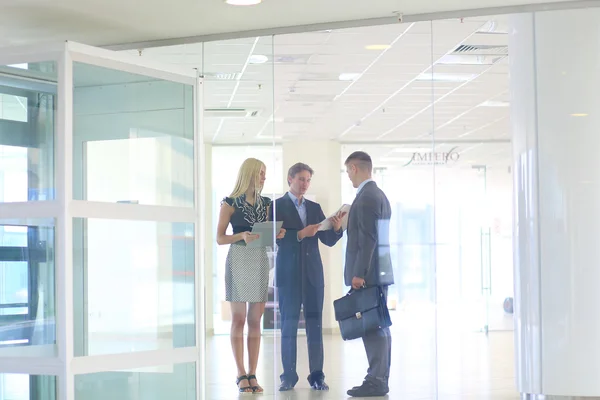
<point x="434" y="158"/>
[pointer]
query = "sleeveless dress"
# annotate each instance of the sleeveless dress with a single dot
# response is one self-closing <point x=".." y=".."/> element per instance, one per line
<point x="247" y="269"/>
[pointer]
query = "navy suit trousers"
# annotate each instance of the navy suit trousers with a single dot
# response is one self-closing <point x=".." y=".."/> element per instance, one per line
<point x="291" y="299"/>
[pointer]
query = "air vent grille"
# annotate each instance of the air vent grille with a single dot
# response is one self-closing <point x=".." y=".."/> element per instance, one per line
<point x="481" y="49"/>
<point x="470" y="59"/>
<point x="222" y="76"/>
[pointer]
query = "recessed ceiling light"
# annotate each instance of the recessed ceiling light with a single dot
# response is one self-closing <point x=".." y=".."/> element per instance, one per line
<point x="494" y="103"/>
<point x="441" y="77"/>
<point x="579" y="115"/>
<point x="378" y="47"/>
<point x="243" y="2"/>
<point x="349" y="76"/>
<point x="258" y="59"/>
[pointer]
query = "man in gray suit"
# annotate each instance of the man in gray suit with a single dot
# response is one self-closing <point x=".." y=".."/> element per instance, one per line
<point x="368" y="263"/>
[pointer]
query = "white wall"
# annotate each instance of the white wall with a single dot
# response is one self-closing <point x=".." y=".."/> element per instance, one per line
<point x="554" y="103"/>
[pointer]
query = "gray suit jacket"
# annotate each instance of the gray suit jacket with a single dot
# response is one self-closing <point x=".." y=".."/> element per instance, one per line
<point x="368" y="247"/>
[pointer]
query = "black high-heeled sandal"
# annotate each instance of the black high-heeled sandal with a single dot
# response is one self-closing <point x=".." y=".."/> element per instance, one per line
<point x="245" y="389"/>
<point x="255" y="389"/>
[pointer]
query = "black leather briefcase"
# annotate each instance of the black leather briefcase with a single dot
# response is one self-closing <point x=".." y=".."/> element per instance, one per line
<point x="361" y="311"/>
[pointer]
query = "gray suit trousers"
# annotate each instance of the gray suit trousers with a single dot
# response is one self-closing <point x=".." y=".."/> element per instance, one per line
<point x="378" y="345"/>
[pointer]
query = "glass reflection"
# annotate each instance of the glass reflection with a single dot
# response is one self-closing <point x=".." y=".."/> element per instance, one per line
<point x="176" y="382"/>
<point x="27" y="116"/>
<point x="148" y="269"/>
<point x="145" y="124"/>
<point x="27" y="387"/>
<point x="27" y="296"/>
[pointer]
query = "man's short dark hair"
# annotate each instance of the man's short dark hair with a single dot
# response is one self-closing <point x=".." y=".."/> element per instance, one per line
<point x="297" y="168"/>
<point x="361" y="160"/>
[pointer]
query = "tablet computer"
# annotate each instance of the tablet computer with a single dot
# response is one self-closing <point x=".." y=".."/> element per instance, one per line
<point x="266" y="231"/>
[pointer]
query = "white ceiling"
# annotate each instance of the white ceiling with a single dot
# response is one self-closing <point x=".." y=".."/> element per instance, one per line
<point x="104" y="22"/>
<point x="387" y="104"/>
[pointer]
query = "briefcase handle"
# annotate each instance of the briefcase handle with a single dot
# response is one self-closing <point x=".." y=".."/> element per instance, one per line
<point x="354" y="290"/>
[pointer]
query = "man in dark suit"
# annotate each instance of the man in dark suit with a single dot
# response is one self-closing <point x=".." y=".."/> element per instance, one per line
<point x="368" y="263"/>
<point x="299" y="275"/>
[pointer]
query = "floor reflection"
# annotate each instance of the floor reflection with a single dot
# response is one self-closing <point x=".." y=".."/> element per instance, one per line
<point x="469" y="366"/>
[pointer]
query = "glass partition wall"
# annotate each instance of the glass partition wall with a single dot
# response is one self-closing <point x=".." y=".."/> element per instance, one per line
<point x="473" y="205"/>
<point x="428" y="102"/>
<point x="238" y="122"/>
<point x="134" y="229"/>
<point x="113" y="284"/>
<point x="28" y="220"/>
<point x="396" y="120"/>
<point x="99" y="292"/>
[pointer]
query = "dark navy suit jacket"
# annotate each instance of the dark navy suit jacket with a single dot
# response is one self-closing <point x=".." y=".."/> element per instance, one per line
<point x="294" y="255"/>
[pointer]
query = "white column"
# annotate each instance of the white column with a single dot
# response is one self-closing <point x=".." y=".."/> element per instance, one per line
<point x="555" y="95"/>
<point x="324" y="157"/>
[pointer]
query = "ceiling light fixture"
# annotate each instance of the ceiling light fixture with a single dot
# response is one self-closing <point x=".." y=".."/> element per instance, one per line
<point x="243" y="2"/>
<point x="494" y="103"/>
<point x="441" y="77"/>
<point x="239" y="77"/>
<point x="371" y="65"/>
<point x="579" y="115"/>
<point x="349" y="76"/>
<point x="378" y="46"/>
<point x="258" y="59"/>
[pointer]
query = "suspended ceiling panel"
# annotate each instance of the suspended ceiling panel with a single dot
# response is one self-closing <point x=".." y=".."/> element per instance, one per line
<point x="441" y="80"/>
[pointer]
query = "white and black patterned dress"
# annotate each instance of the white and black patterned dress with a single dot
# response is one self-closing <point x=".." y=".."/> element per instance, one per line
<point x="247" y="269"/>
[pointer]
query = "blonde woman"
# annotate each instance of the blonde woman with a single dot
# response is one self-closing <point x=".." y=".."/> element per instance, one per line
<point x="247" y="268"/>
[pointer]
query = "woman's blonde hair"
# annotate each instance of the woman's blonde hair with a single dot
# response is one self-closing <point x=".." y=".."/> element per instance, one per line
<point x="249" y="178"/>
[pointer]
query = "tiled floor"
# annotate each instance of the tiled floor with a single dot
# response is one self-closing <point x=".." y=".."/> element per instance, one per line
<point x="469" y="366"/>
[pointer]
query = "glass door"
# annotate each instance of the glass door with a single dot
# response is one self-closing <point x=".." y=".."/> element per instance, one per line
<point x="27" y="325"/>
<point x="485" y="244"/>
<point x="411" y="299"/>
<point x="474" y="248"/>
<point x="411" y="237"/>
<point x="463" y="249"/>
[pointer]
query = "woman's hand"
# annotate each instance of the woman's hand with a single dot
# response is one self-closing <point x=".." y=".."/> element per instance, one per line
<point x="281" y="234"/>
<point x="249" y="237"/>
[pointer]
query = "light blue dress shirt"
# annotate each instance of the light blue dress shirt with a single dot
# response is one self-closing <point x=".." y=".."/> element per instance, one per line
<point x="362" y="185"/>
<point x="300" y="207"/>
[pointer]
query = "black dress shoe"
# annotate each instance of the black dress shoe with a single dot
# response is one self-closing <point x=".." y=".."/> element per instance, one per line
<point x="319" y="384"/>
<point x="368" y="389"/>
<point x="285" y="386"/>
